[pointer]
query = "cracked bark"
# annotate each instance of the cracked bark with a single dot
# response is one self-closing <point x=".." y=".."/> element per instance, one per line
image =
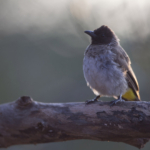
<point x="25" y="121"/>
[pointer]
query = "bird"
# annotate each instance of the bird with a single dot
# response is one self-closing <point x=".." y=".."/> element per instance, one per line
<point x="107" y="68"/>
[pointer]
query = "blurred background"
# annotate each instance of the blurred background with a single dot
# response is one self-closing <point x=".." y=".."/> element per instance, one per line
<point x="42" y="44"/>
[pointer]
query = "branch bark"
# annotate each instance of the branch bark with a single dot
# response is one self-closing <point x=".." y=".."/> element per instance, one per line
<point x="29" y="122"/>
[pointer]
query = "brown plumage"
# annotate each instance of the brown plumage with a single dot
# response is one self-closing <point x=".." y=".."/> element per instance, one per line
<point x="125" y="64"/>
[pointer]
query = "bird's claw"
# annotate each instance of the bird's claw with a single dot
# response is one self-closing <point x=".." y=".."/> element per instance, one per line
<point x="114" y="102"/>
<point x="91" y="101"/>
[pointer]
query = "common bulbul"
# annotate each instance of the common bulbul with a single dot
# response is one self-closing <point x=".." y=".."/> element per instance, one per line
<point x="107" y="67"/>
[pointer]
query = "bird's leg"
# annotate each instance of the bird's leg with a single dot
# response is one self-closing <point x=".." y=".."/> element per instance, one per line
<point x="117" y="100"/>
<point x="93" y="100"/>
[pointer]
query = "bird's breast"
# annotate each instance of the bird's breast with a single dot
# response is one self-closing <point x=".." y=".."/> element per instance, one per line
<point x="103" y="75"/>
<point x="94" y="69"/>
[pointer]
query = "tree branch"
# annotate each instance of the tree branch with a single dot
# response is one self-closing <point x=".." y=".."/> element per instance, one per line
<point x="29" y="122"/>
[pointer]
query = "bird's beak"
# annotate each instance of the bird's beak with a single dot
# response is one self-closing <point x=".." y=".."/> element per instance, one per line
<point x="91" y="33"/>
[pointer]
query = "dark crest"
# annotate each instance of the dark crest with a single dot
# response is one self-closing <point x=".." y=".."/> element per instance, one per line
<point x="102" y="35"/>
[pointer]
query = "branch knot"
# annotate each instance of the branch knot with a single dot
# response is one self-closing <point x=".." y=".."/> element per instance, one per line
<point x="24" y="101"/>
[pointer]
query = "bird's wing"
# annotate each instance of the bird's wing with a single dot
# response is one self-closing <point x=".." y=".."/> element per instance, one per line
<point x="124" y="62"/>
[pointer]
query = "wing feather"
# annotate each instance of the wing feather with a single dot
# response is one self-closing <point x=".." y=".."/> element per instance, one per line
<point x="125" y="64"/>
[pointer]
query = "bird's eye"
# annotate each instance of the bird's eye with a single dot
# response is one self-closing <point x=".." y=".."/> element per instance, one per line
<point x="103" y="35"/>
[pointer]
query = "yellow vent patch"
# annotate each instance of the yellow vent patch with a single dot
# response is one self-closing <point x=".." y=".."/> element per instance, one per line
<point x="129" y="95"/>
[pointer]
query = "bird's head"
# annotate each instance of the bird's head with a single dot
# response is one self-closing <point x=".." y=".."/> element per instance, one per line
<point x="101" y="36"/>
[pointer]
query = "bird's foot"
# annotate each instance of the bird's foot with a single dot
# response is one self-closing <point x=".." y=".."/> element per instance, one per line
<point x="93" y="100"/>
<point x="114" y="102"/>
